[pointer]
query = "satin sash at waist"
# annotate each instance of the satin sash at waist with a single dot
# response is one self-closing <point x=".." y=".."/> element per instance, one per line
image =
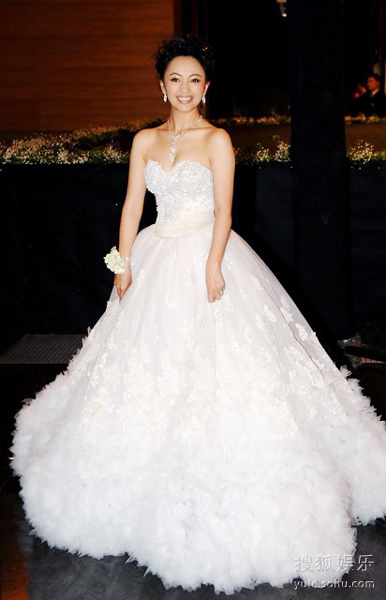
<point x="188" y="223"/>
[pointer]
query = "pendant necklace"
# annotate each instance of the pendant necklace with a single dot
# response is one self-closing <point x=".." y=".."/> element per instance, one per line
<point x="177" y="135"/>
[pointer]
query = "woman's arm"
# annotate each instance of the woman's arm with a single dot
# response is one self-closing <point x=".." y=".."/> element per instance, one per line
<point x="132" y="207"/>
<point x="135" y="194"/>
<point x="223" y="161"/>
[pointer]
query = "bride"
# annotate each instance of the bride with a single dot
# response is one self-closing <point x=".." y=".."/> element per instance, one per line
<point x="201" y="428"/>
<point x="186" y="137"/>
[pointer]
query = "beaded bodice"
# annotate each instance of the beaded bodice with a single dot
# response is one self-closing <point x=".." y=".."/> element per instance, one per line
<point x="187" y="188"/>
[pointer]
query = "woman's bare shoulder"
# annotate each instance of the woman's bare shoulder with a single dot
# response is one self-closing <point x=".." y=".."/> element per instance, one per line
<point x="143" y="136"/>
<point x="144" y="139"/>
<point x="219" y="137"/>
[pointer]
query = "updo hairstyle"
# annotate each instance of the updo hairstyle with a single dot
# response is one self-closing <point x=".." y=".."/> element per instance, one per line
<point x="185" y="45"/>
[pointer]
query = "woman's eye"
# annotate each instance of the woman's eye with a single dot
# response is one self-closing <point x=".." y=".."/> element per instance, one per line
<point x="174" y="79"/>
<point x="196" y="80"/>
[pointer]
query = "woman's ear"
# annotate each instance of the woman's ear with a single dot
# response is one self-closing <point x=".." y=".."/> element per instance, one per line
<point x="206" y="87"/>
<point x="162" y="86"/>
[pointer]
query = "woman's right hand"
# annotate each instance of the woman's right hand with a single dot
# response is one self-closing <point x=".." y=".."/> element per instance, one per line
<point x="123" y="281"/>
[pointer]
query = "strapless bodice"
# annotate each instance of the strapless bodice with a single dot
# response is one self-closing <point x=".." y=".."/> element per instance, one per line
<point x="184" y="196"/>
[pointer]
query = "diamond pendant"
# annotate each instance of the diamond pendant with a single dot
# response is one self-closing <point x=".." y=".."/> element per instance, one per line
<point x="176" y="136"/>
<point x="173" y="147"/>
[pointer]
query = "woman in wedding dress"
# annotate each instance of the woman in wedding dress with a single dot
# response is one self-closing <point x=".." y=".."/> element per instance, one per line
<point x="201" y="428"/>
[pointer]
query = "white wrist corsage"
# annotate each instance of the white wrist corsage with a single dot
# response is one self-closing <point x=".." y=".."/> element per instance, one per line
<point x="115" y="262"/>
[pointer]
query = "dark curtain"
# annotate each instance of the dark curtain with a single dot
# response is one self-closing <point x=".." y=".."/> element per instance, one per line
<point x="318" y="153"/>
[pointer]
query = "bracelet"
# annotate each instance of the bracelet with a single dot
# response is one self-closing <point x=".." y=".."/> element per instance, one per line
<point x="115" y="262"/>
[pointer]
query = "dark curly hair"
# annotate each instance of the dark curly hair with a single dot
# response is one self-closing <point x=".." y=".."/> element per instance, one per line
<point x="185" y="45"/>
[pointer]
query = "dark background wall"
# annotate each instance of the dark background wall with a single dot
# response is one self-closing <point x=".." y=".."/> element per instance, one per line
<point x="253" y="47"/>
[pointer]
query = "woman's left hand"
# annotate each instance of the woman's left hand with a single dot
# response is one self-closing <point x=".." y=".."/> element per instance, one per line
<point x="214" y="281"/>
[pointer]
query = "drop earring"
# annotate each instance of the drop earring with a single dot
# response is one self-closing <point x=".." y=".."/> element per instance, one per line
<point x="165" y="97"/>
<point x="203" y="99"/>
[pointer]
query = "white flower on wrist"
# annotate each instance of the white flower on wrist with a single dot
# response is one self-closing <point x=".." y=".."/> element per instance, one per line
<point x="115" y="262"/>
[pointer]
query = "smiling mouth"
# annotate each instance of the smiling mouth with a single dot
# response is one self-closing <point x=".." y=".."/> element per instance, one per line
<point x="184" y="100"/>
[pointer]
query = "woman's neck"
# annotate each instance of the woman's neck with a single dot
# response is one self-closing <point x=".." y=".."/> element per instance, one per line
<point x="179" y="121"/>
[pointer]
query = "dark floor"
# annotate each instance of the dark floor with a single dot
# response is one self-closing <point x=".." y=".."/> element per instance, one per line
<point x="30" y="569"/>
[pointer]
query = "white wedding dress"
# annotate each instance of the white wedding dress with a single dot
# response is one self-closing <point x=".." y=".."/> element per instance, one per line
<point x="215" y="443"/>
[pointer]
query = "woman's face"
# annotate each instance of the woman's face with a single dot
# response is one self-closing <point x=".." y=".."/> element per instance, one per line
<point x="184" y="82"/>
